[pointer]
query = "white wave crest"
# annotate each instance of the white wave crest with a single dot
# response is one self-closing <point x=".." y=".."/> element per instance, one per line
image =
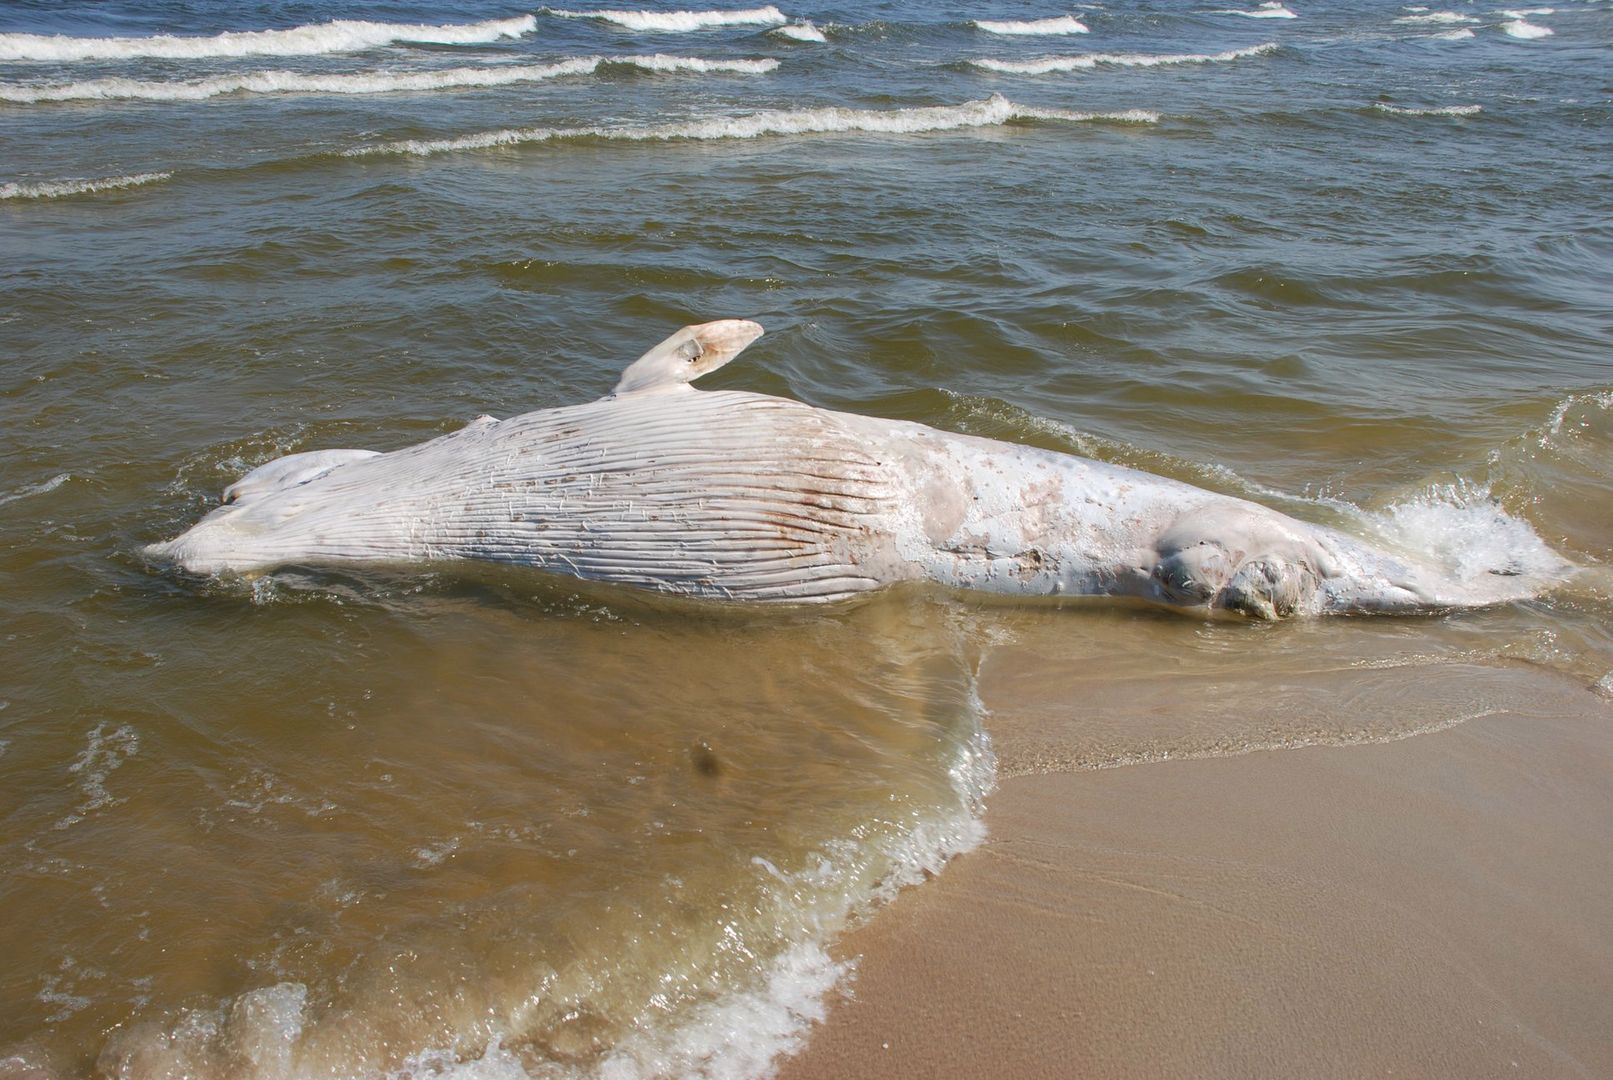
<point x="1443" y="110"/>
<point x="1520" y="28"/>
<point x="988" y="112"/>
<point x="1468" y="533"/>
<point x="1436" y="17"/>
<point x="1064" y="24"/>
<point x="43" y="486"/>
<point x="801" y="31"/>
<point x="1524" y="13"/>
<point x="343" y="35"/>
<point x="377" y="82"/>
<point x="1048" y="64"/>
<point x="664" y="63"/>
<point x="1452" y="35"/>
<point x="55" y="189"/>
<point x="678" y="22"/>
<point x="1264" y="11"/>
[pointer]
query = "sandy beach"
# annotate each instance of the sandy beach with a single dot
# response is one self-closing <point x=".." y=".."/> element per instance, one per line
<point x="1434" y="906"/>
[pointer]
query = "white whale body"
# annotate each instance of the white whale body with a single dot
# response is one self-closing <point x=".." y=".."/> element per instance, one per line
<point x="741" y="496"/>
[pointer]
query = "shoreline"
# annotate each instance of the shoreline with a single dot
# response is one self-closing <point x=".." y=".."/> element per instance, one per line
<point x="1432" y="906"/>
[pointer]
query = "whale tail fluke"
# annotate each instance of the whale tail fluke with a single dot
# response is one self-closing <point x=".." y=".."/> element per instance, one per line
<point x="688" y="354"/>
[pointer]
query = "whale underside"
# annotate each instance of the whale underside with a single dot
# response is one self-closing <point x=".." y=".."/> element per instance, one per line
<point x="740" y="496"/>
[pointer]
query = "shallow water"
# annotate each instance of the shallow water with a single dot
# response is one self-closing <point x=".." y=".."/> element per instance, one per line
<point x="411" y="822"/>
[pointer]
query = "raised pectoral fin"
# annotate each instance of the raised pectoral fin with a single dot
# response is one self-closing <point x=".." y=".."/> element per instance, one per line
<point x="690" y="353"/>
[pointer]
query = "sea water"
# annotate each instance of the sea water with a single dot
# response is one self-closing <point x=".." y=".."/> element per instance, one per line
<point x="1350" y="260"/>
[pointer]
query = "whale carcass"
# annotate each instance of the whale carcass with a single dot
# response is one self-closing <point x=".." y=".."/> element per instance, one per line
<point x="742" y="496"/>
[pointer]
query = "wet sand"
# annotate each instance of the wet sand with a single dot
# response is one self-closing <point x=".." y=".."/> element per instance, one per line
<point x="1435" y="906"/>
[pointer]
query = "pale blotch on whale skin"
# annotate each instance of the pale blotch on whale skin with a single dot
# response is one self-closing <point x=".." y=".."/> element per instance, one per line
<point x="739" y="496"/>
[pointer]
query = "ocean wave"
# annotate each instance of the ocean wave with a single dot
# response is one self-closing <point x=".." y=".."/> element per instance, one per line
<point x="1443" y="110"/>
<point x="1436" y="17"/>
<point x="1467" y="532"/>
<point x="343" y="35"/>
<point x="1271" y="10"/>
<point x="1049" y="64"/>
<point x="55" y="189"/>
<point x="1522" y="28"/>
<point x="1063" y="24"/>
<point x="765" y="1006"/>
<point x="372" y="82"/>
<point x="988" y="112"/>
<point x="1452" y="35"/>
<point x="34" y="489"/>
<point x="801" y="31"/>
<point x="678" y="22"/>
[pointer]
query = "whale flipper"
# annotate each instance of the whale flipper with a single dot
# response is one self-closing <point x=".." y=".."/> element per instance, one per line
<point x="289" y="471"/>
<point x="685" y="356"/>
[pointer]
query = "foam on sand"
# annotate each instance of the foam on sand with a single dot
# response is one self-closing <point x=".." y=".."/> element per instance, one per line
<point x="1048" y="64"/>
<point x="678" y="22"/>
<point x="1444" y="110"/>
<point x="1271" y="10"/>
<point x="988" y="112"/>
<point x="55" y="189"/>
<point x="376" y="82"/>
<point x="765" y="1007"/>
<point x="343" y="35"/>
<point x="1063" y="24"/>
<point x="801" y="31"/>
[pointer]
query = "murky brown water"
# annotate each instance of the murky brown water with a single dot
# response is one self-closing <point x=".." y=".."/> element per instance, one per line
<point x="322" y="824"/>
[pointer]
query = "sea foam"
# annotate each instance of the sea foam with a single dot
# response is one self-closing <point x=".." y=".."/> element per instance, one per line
<point x="1443" y="110"/>
<point x="1467" y="532"/>
<point x="801" y="31"/>
<point x="343" y="35"/>
<point x="1048" y="64"/>
<point x="1063" y="24"/>
<point x="375" y="82"/>
<point x="1264" y="11"/>
<point x="1436" y="17"/>
<point x="1521" y="28"/>
<point x="988" y="112"/>
<point x="678" y="22"/>
<point x="55" y="189"/>
<point x="738" y="1030"/>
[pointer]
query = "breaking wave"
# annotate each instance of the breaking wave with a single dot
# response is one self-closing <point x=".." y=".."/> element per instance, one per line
<point x="1443" y="110"/>
<point x="1467" y="532"/>
<point x="1522" y="28"/>
<point x="55" y="189"/>
<point x="987" y="112"/>
<point x="795" y="913"/>
<point x="677" y="22"/>
<point x="377" y="82"/>
<point x="1264" y="11"/>
<point x="1049" y="64"/>
<point x="1436" y="17"/>
<point x="801" y="31"/>
<point x="1064" y="24"/>
<point x="342" y="35"/>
